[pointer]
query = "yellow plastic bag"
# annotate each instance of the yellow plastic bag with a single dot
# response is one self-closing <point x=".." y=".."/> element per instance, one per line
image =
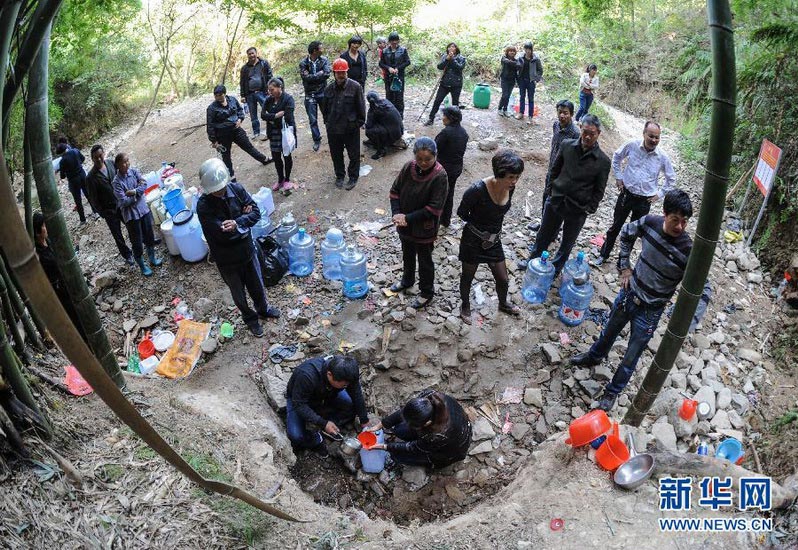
<point x="184" y="353"/>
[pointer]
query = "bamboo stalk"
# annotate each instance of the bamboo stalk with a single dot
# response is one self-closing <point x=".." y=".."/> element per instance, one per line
<point x="25" y="300"/>
<point x="713" y="200"/>
<point x="27" y="186"/>
<point x="64" y="251"/>
<point x="8" y="19"/>
<point x="11" y="322"/>
<point x="30" y="331"/>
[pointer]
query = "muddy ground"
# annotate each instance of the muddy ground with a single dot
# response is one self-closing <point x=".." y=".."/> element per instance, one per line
<point x="224" y="418"/>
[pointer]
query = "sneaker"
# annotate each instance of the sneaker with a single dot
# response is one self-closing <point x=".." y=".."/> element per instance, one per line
<point x="502" y="113"/>
<point x="597" y="262"/>
<point x="256" y="330"/>
<point x="519" y="116"/>
<point x="264" y="137"/>
<point x="607" y="401"/>
<point x="268" y="161"/>
<point x="287" y="185"/>
<point x="339" y="183"/>
<point x="350" y="184"/>
<point x="255" y="136"/>
<point x="321" y="450"/>
<point x="429" y="122"/>
<point x="583" y="360"/>
<point x="129" y="261"/>
<point x="270" y="313"/>
<point x="316" y="145"/>
<point x="534" y="226"/>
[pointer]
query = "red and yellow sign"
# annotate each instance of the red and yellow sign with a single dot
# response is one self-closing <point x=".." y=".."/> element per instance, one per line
<point x="766" y="166"/>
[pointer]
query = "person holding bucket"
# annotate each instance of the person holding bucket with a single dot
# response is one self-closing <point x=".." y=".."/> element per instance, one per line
<point x="433" y="428"/>
<point x="278" y="112"/>
<point x="395" y="60"/>
<point x="129" y="187"/>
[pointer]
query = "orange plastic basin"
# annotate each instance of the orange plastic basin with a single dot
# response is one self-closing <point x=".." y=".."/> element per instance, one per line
<point x="367" y="439"/>
<point x="612" y="453"/>
<point x="588" y="427"/>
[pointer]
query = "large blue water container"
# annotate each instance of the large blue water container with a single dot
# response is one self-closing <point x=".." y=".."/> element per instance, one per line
<point x="537" y="280"/>
<point x="576" y="296"/>
<point x="573" y="268"/>
<point x="174" y="202"/>
<point x="301" y="252"/>
<point x="373" y="460"/>
<point x="354" y="273"/>
<point x="332" y="247"/>
<point x="288" y="228"/>
<point x="263" y="227"/>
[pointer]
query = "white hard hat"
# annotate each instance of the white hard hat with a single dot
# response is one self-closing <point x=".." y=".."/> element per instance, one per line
<point x="213" y="175"/>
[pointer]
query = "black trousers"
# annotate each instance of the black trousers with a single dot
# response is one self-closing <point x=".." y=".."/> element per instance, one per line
<point x="226" y="138"/>
<point x="351" y="142"/>
<point x="627" y="203"/>
<point x="244" y="278"/>
<point x="378" y="136"/>
<point x="426" y="269"/>
<point x="283" y="165"/>
<point x="75" y="188"/>
<point x="443" y="91"/>
<point x="550" y="225"/>
<point x="114" y="222"/>
<point x="507" y="89"/>
<point x="452" y="173"/>
<point x="397" y="98"/>
<point x="140" y="231"/>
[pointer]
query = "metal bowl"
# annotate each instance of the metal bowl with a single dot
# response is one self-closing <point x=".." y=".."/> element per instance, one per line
<point x="634" y="472"/>
<point x="350" y="446"/>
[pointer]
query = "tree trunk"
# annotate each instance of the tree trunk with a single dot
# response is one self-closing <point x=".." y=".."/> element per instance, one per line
<point x="27" y="191"/>
<point x="230" y="49"/>
<point x="716" y="181"/>
<point x="56" y="226"/>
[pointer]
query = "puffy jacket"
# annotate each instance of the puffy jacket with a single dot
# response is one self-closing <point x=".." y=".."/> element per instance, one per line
<point x="510" y="68"/>
<point x="254" y="78"/>
<point x="398" y="59"/>
<point x="222" y="117"/>
<point x="453" y="71"/>
<point x="383" y="113"/>
<point x="344" y="108"/>
<point x="229" y="248"/>
<point x="314" y="74"/>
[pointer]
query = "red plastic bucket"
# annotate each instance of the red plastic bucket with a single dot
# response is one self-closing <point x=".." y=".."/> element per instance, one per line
<point x="612" y="453"/>
<point x="146" y="349"/>
<point x="367" y="439"/>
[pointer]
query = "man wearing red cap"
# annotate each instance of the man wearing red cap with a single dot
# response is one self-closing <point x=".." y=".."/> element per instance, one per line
<point x="344" y="110"/>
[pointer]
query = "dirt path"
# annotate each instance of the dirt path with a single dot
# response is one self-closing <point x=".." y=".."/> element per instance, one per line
<point x="223" y="419"/>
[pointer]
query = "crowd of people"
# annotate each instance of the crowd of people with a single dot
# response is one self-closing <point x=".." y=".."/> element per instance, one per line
<point x="432" y="428"/>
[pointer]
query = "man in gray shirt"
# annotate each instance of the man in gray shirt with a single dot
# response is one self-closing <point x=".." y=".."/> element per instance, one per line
<point x="645" y="291"/>
<point x="638" y="182"/>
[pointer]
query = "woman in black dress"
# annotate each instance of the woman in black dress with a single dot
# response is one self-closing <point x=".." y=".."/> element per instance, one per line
<point x="483" y="208"/>
<point x="279" y="107"/>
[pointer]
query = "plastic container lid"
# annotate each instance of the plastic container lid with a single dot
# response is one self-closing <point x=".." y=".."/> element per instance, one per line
<point x="544" y="256"/>
<point x="334" y="236"/>
<point x="288" y="219"/>
<point x="580" y="256"/>
<point x="184" y="216"/>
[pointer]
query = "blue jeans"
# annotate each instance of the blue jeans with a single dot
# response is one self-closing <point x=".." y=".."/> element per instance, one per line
<point x="406" y="433"/>
<point x="340" y="411"/>
<point x="527" y="89"/>
<point x="644" y="319"/>
<point x="312" y="109"/>
<point x="585" y="101"/>
<point x="253" y="100"/>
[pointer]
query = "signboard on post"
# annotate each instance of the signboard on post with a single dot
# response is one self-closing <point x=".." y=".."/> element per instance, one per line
<point x="766" y="167"/>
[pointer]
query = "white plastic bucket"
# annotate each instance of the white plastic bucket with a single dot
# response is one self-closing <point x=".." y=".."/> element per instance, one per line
<point x="167" y="228"/>
<point x="187" y="233"/>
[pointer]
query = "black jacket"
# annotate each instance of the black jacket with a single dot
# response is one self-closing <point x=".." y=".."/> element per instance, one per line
<point x="510" y="68"/>
<point x="219" y="117"/>
<point x="273" y="106"/>
<point x="530" y="69"/>
<point x="440" y="448"/>
<point x="453" y="71"/>
<point x="358" y="70"/>
<point x="344" y="108"/>
<point x="578" y="178"/>
<point x="100" y="188"/>
<point x="309" y="390"/>
<point x="234" y="247"/>
<point x="383" y="113"/>
<point x="452" y="142"/>
<point x="398" y="59"/>
<point x="255" y="78"/>
<point x="314" y="74"/>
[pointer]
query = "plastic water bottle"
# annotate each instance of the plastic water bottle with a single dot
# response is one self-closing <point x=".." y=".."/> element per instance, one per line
<point x="288" y="228"/>
<point x="573" y="268"/>
<point x="354" y="272"/>
<point x="537" y="279"/>
<point x="513" y="102"/>
<point x="331" y="249"/>
<point x="301" y="250"/>
<point x="263" y="227"/>
<point x="576" y="296"/>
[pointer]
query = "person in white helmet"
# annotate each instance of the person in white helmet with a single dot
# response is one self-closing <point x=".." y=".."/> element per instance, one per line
<point x="227" y="212"/>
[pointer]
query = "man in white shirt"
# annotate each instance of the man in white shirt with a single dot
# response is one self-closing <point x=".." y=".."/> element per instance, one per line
<point x="638" y="182"/>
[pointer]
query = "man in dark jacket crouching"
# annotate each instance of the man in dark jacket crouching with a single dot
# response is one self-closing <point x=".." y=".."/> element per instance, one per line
<point x="384" y="124"/>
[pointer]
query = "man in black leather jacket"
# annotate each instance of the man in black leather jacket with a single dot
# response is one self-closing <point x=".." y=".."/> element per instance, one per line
<point x="315" y="70"/>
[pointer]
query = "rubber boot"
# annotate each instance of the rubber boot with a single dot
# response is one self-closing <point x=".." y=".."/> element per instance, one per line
<point x="155" y="262"/>
<point x="146" y="271"/>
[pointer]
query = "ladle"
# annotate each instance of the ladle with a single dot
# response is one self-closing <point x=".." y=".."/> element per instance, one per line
<point x="634" y="472"/>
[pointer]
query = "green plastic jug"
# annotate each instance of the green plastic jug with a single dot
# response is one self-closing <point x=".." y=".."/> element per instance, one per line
<point x="482" y="95"/>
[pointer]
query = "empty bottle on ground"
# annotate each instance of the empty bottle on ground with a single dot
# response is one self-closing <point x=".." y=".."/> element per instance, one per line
<point x="301" y="252"/>
<point x="288" y="228"/>
<point x="354" y="272"/>
<point x="331" y="249"/>
<point x="576" y="295"/>
<point x="537" y="279"/>
<point x="573" y="268"/>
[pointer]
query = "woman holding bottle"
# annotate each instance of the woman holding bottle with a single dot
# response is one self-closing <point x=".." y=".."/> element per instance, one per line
<point x="588" y="84"/>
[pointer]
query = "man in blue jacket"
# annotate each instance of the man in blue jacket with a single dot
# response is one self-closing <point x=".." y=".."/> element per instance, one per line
<point x="227" y="212"/>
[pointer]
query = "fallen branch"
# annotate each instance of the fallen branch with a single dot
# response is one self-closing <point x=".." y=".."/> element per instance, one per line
<point x="57" y="384"/>
<point x="69" y="469"/>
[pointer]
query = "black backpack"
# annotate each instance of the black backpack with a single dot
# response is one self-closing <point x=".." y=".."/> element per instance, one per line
<point x="273" y="260"/>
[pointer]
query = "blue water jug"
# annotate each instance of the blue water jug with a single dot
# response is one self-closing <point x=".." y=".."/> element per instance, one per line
<point x="537" y="279"/>
<point x="354" y="272"/>
<point x="573" y="268"/>
<point x="331" y="249"/>
<point x="262" y="228"/>
<point x="301" y="250"/>
<point x="288" y="228"/>
<point x="373" y="460"/>
<point x="576" y="295"/>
